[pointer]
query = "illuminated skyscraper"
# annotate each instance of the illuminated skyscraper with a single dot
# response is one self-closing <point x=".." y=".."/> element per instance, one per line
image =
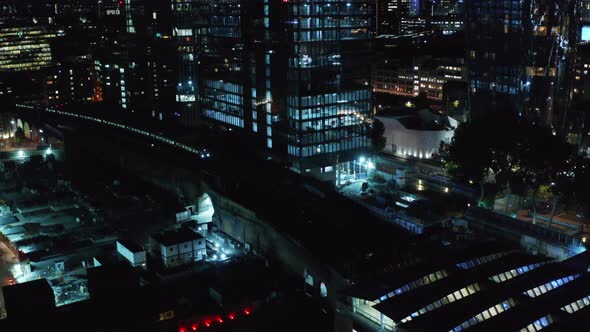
<point x="25" y="48"/>
<point x="184" y="31"/>
<point x="389" y="14"/>
<point x="143" y="68"/>
<point x="74" y="81"/>
<point x="295" y="74"/>
<point x="327" y="102"/>
<point x="130" y="26"/>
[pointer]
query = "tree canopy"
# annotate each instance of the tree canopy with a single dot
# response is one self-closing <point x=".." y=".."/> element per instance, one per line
<point x="500" y="148"/>
<point x="376" y="133"/>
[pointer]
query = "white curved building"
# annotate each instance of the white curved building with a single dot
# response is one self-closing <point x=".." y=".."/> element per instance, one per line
<point x="417" y="133"/>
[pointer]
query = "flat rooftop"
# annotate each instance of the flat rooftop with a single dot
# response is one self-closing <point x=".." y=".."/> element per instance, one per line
<point x="130" y="245"/>
<point x="177" y="236"/>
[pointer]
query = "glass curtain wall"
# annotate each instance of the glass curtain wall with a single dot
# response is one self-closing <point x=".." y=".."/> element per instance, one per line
<point x="329" y="96"/>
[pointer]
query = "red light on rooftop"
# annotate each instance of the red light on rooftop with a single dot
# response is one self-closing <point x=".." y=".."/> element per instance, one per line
<point x="246" y="311"/>
<point x="207" y="323"/>
<point x="194" y="327"/>
<point x="182" y="329"/>
<point x="231" y="316"/>
<point x="219" y="319"/>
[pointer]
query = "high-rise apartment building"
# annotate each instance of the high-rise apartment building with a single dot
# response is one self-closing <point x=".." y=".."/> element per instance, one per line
<point x="136" y="53"/>
<point x="184" y="34"/>
<point x="76" y="80"/>
<point x="295" y="74"/>
<point x="402" y="17"/>
<point x="389" y="14"/>
<point x="110" y="56"/>
<point x="522" y="52"/>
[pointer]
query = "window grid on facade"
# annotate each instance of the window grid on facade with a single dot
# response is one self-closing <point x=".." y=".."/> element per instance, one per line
<point x="542" y="289"/>
<point x="425" y="280"/>
<point x="485" y="315"/>
<point x="501" y="277"/>
<point x="327" y="115"/>
<point x="539" y="324"/>
<point x="577" y="305"/>
<point x="450" y="298"/>
<point x="469" y="264"/>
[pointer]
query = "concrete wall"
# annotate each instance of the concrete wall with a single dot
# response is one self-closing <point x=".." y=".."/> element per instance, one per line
<point x="416" y="143"/>
<point x="491" y="223"/>
<point x="538" y="247"/>
<point x="266" y="240"/>
<point x="135" y="258"/>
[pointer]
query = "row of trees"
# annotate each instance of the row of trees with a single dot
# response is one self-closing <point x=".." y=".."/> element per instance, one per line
<point x="519" y="157"/>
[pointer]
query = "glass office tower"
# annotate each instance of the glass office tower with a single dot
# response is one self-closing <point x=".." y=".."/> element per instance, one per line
<point x="222" y="55"/>
<point x="25" y="48"/>
<point x="293" y="74"/>
<point x="328" y="95"/>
